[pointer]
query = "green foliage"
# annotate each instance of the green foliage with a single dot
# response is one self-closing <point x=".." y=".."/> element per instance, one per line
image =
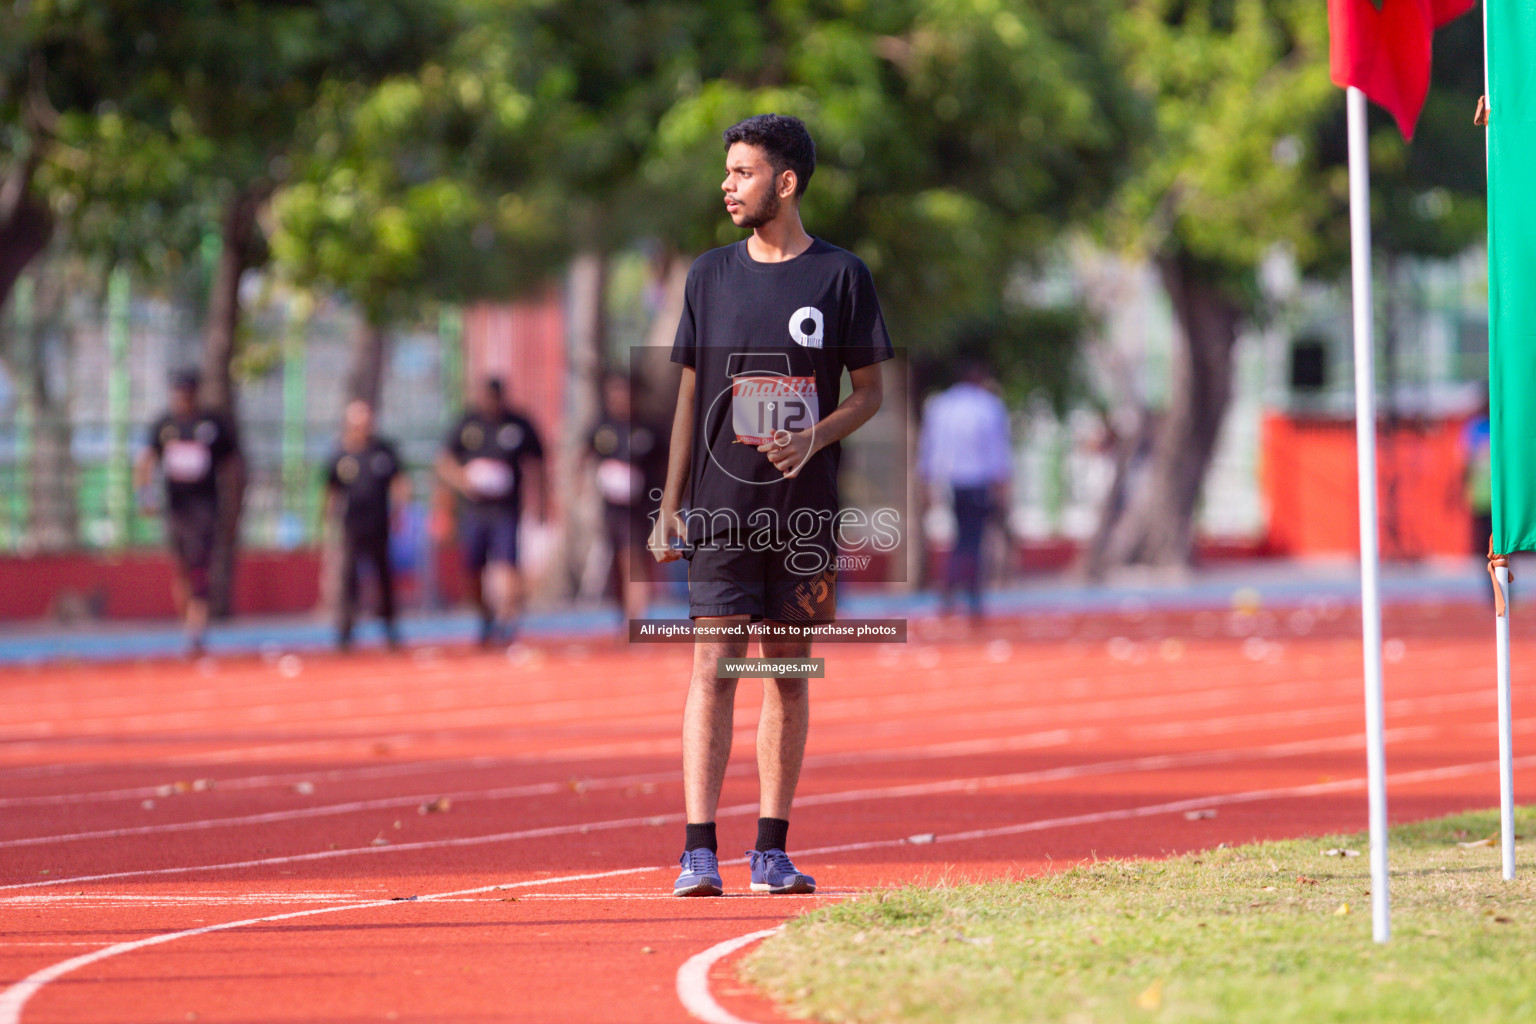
<point x="169" y="108"/>
<point x="1238" y="87"/>
<point x="957" y="138"/>
<point x="1428" y="198"/>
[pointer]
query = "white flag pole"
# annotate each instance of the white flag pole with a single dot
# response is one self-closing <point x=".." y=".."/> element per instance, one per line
<point x="1370" y="567"/>
<point x="1501" y="636"/>
<point x="1506" y="741"/>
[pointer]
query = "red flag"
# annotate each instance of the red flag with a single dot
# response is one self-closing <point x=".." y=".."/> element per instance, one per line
<point x="1382" y="48"/>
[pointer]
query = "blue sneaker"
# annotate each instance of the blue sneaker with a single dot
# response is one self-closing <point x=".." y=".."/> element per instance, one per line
<point x="774" y="872"/>
<point x="700" y="875"/>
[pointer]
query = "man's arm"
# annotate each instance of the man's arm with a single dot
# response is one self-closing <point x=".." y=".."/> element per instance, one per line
<point x="144" y="479"/>
<point x="669" y="525"/>
<point x="851" y="414"/>
<point x="450" y="474"/>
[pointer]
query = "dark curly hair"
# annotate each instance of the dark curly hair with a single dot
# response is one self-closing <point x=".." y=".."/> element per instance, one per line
<point x="784" y="139"/>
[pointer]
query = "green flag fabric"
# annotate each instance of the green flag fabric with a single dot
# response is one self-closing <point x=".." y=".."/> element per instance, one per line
<point x="1512" y="270"/>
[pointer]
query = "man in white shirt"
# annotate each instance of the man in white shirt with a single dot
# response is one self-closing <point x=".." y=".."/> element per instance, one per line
<point x="964" y="452"/>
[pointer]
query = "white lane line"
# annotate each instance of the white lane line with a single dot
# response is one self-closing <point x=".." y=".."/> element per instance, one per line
<point x="1159" y="762"/>
<point x="1026" y="741"/>
<point x="350" y="807"/>
<point x="433" y="844"/>
<point x="1176" y="806"/>
<point x="872" y="708"/>
<point x="267" y="781"/>
<point x="1035" y="741"/>
<point x="1039" y="740"/>
<point x="15" y="998"/>
<point x="693" y="978"/>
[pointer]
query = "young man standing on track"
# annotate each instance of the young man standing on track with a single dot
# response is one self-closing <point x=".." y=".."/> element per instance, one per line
<point x="192" y="446"/>
<point x="768" y="327"/>
<point x="362" y="479"/>
<point x="483" y="461"/>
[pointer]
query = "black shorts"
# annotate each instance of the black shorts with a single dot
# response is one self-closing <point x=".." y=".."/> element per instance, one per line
<point x="488" y="536"/>
<point x="786" y="581"/>
<point x="191" y="530"/>
<point x="627" y="528"/>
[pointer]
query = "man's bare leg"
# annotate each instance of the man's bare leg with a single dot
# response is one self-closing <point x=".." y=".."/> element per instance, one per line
<point x="708" y="717"/>
<point x="504" y="597"/>
<point x="781" y="731"/>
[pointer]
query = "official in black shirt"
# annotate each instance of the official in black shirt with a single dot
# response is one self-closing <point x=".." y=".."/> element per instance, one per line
<point x="484" y="459"/>
<point x="362" y="479"/>
<point x="623" y="453"/>
<point x="193" y="447"/>
<point x="769" y="326"/>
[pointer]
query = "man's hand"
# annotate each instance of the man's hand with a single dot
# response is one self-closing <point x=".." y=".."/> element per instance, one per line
<point x="789" y="451"/>
<point x="148" y="501"/>
<point x="667" y="528"/>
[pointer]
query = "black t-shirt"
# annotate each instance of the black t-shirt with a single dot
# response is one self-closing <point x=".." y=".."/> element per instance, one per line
<point x="362" y="478"/>
<point x="191" y="451"/>
<point x="492" y="452"/>
<point x="768" y="343"/>
<point x="624" y="453"/>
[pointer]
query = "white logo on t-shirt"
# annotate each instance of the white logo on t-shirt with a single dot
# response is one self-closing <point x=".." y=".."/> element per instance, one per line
<point x="187" y="462"/>
<point x="806" y="326"/>
<point x="490" y="478"/>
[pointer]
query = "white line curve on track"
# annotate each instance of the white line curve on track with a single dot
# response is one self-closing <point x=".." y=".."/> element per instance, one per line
<point x="15" y="998"/>
<point x="693" y="978"/>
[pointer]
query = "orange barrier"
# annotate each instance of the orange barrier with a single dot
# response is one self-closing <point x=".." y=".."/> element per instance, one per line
<point x="1309" y="475"/>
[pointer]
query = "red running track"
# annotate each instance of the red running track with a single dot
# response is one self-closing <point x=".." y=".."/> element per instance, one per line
<point x="246" y="841"/>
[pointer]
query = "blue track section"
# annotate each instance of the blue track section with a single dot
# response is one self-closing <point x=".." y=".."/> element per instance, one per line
<point x="1272" y="584"/>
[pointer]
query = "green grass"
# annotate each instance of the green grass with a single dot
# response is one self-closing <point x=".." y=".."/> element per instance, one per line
<point x="1250" y="934"/>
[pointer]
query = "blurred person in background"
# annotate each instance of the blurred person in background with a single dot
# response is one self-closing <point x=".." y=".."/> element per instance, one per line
<point x="1477" y="477"/>
<point x="965" y="456"/>
<point x="363" y="478"/>
<point x="192" y="447"/>
<point x="483" y="461"/>
<point x="623" y="451"/>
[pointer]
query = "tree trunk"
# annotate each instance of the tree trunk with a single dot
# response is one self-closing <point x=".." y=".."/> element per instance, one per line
<point x="369" y="356"/>
<point x="54" y="521"/>
<point x="1154" y="523"/>
<point x="581" y="512"/>
<point x="24" y="234"/>
<point x="239" y="237"/>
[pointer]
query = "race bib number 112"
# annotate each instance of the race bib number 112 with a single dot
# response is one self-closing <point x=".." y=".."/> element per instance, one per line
<point x="763" y="406"/>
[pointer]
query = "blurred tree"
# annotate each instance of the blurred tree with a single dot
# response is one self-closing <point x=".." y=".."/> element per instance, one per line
<point x="389" y="206"/>
<point x="1239" y="88"/>
<point x="956" y="140"/>
<point x="147" y="108"/>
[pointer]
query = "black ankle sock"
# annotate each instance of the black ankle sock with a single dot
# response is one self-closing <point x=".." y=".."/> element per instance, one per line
<point x="701" y="837"/>
<point x="771" y="834"/>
